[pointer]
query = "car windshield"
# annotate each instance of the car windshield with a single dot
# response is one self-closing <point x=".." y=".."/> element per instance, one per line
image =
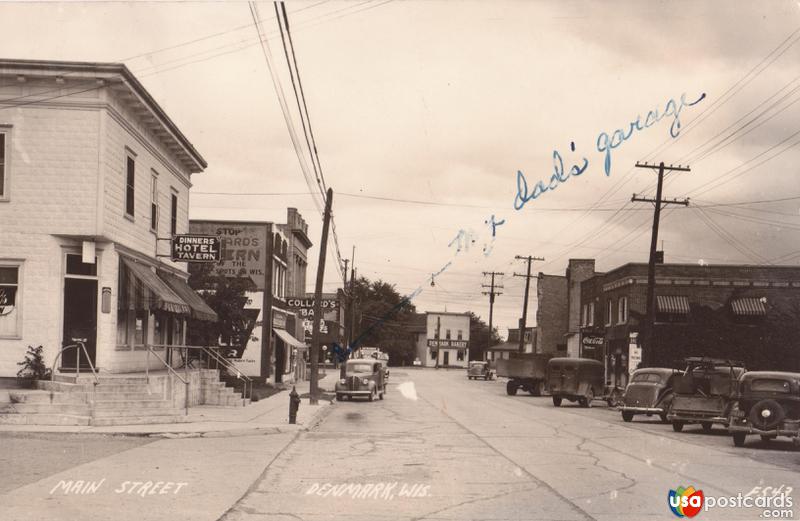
<point x="647" y="377"/>
<point x="770" y="385"/>
<point x="359" y="368"/>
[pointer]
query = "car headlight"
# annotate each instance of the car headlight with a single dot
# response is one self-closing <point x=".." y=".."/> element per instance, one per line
<point x="342" y="381"/>
<point x="365" y="381"/>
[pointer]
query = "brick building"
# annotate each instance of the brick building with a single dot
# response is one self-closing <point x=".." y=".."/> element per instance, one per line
<point x="270" y="255"/>
<point x="741" y="312"/>
<point x="552" y="319"/>
<point x="92" y="174"/>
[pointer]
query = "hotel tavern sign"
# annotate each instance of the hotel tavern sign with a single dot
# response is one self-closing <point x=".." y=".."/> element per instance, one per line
<point x="196" y="248"/>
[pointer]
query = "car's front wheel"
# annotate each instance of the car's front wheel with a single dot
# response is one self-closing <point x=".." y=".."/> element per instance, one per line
<point x="627" y="416"/>
<point x="511" y="389"/>
<point x="557" y="401"/>
<point x="738" y="439"/>
<point x="339" y="397"/>
<point x="677" y="426"/>
<point x="707" y="426"/>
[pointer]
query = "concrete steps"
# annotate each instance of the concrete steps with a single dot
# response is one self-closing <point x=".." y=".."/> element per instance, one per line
<point x="117" y="400"/>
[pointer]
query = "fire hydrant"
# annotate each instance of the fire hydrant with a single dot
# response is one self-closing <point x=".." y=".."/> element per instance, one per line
<point x="294" y="405"/>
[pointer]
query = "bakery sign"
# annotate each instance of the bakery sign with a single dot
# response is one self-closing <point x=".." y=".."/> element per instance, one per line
<point x="440" y="342"/>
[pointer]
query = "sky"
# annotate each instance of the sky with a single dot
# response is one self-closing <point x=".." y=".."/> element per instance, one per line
<point x="425" y="113"/>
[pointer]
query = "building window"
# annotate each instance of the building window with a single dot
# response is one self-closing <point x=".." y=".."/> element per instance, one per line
<point x="4" y="139"/>
<point x="590" y="316"/>
<point x="609" y="313"/>
<point x="173" y="225"/>
<point x="154" y="204"/>
<point x="10" y="301"/>
<point x="460" y="335"/>
<point x="460" y="355"/>
<point x="447" y="335"/>
<point x="622" y="310"/>
<point x="130" y="179"/>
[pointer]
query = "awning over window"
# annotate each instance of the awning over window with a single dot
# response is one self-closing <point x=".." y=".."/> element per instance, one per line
<point x="672" y="304"/>
<point x="141" y="287"/>
<point x="288" y="338"/>
<point x="200" y="310"/>
<point x="749" y="306"/>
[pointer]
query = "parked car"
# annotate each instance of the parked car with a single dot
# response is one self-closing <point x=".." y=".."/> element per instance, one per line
<point x="526" y="371"/>
<point x="649" y="392"/>
<point x="704" y="393"/>
<point x="362" y="377"/>
<point x="576" y="379"/>
<point x="480" y="370"/>
<point x="767" y="403"/>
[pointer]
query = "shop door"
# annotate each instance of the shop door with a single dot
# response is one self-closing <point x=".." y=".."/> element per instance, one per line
<point x="280" y="360"/>
<point x="80" y="322"/>
<point x="447" y="358"/>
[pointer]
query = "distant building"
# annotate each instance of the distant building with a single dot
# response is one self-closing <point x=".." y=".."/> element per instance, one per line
<point x="503" y="351"/>
<point x="442" y="339"/>
<point x="93" y="175"/>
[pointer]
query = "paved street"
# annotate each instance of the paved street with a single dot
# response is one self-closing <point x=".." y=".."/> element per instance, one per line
<point x="465" y="450"/>
<point x="438" y="447"/>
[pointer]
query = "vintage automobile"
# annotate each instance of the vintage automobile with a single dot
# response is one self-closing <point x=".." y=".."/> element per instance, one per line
<point x="704" y="393"/>
<point x="480" y="370"/>
<point x="648" y="392"/>
<point x="767" y="403"/>
<point x="576" y="379"/>
<point x="362" y="377"/>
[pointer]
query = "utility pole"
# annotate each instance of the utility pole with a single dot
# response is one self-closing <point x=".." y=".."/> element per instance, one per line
<point x="315" y="332"/>
<point x="491" y="294"/>
<point x="651" y="265"/>
<point x="522" y="325"/>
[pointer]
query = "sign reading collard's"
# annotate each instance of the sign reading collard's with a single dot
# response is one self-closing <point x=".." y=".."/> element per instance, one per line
<point x="196" y="248"/>
<point x="243" y="249"/>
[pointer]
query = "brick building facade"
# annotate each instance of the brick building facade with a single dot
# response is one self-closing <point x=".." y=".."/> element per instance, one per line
<point x="552" y="319"/>
<point x="746" y="313"/>
<point x="90" y="179"/>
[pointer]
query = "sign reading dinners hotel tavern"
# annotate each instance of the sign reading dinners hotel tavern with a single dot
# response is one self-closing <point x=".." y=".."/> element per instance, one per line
<point x="196" y="248"/>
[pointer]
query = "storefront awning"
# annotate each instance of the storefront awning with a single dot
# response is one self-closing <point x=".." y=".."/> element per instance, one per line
<point x="749" y="306"/>
<point x="154" y="291"/>
<point x="200" y="310"/>
<point x="672" y="304"/>
<point x="288" y="338"/>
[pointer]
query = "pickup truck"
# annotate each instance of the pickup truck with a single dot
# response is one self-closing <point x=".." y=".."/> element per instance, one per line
<point x="526" y="371"/>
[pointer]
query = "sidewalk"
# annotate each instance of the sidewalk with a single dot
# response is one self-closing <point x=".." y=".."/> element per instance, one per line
<point x="267" y="416"/>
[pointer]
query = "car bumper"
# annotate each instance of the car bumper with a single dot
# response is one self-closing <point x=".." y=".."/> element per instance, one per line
<point x="354" y="393"/>
<point x="790" y="429"/>
<point x="689" y="417"/>
<point x="641" y="410"/>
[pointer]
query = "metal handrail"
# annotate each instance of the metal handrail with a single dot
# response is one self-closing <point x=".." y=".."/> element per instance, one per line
<point x="78" y="371"/>
<point x="78" y="362"/>
<point x="220" y="359"/>
<point x="170" y="370"/>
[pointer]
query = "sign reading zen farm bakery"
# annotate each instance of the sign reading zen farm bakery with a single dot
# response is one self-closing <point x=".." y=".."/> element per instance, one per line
<point x="196" y="248"/>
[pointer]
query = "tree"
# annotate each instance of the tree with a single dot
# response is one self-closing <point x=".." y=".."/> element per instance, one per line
<point x="479" y="337"/>
<point x="227" y="297"/>
<point x="382" y="320"/>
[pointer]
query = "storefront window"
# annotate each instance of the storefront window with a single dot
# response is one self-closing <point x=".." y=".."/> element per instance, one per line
<point x="9" y="301"/>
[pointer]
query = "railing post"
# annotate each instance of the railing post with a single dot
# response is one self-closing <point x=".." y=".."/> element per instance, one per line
<point x="147" y="365"/>
<point x="186" y="374"/>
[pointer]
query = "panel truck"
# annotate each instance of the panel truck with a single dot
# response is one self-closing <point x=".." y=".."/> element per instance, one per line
<point x="526" y="371"/>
